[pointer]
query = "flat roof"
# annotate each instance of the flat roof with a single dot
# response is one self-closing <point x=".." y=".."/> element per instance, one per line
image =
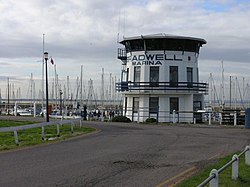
<point x="163" y="35"/>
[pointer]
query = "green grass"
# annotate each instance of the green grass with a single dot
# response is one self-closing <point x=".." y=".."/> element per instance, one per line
<point x="33" y="136"/>
<point x="225" y="177"/>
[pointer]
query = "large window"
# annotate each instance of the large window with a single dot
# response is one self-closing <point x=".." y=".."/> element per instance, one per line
<point x="189" y="77"/>
<point x="137" y="75"/>
<point x="154" y="76"/>
<point x="168" y="44"/>
<point x="153" y="105"/>
<point x="174" y="104"/>
<point x="135" y="104"/>
<point x="173" y="76"/>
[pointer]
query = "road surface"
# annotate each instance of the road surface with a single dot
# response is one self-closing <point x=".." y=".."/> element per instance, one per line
<point x="120" y="155"/>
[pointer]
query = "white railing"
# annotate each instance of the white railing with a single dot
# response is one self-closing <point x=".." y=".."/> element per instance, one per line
<point x="213" y="178"/>
<point x="42" y="125"/>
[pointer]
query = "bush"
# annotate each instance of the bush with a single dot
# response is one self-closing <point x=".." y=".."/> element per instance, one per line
<point x="151" y="120"/>
<point x="121" y="119"/>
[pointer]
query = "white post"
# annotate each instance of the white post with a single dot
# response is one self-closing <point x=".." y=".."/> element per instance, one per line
<point x="247" y="155"/>
<point x="195" y="121"/>
<point x="34" y="109"/>
<point x="209" y="118"/>
<point x="235" y="118"/>
<point x="138" y="117"/>
<point x="43" y="134"/>
<point x="215" y="181"/>
<point x="80" y="123"/>
<point x="220" y="118"/>
<point x="72" y="128"/>
<point x="16" y="137"/>
<point x="235" y="167"/>
<point x="58" y="130"/>
<point x="15" y="109"/>
<point x="173" y="116"/>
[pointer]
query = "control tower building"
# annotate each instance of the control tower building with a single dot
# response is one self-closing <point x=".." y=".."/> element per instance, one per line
<point x="160" y="78"/>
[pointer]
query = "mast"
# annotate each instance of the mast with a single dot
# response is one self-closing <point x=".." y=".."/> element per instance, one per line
<point x="222" y="87"/>
<point x="102" y="91"/>
<point x="230" y="92"/>
<point x="43" y="73"/>
<point x="81" y="87"/>
<point x="8" y="94"/>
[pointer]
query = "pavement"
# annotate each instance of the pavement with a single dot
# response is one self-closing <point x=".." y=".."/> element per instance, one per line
<point x="122" y="155"/>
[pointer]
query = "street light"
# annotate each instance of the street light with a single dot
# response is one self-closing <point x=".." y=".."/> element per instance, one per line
<point x="61" y="102"/>
<point x="47" y="93"/>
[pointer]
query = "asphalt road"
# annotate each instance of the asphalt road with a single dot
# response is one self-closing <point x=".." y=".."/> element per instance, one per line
<point x="120" y="155"/>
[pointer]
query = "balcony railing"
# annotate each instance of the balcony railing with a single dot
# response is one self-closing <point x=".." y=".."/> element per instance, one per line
<point x="157" y="86"/>
<point x="122" y="55"/>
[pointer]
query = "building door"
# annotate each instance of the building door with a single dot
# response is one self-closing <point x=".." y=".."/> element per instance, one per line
<point x="174" y="106"/>
<point x="173" y="76"/>
<point x="153" y="107"/>
<point x="135" y="109"/>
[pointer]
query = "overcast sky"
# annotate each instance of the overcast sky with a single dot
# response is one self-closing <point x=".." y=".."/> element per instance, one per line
<point x="85" y="32"/>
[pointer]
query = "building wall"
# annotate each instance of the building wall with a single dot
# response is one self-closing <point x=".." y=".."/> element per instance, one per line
<point x="135" y="60"/>
<point x="163" y="59"/>
<point x="164" y="115"/>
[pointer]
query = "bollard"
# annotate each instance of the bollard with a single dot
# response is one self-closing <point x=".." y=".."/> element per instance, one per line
<point x="215" y="181"/>
<point x="247" y="155"/>
<point x="173" y="116"/>
<point x="235" y="167"/>
<point x="72" y="128"/>
<point x="58" y="130"/>
<point x="80" y="123"/>
<point x="16" y="137"/>
<point x="220" y="118"/>
<point x="34" y="109"/>
<point x="235" y="118"/>
<point x="209" y="118"/>
<point x="43" y="134"/>
<point x="194" y="121"/>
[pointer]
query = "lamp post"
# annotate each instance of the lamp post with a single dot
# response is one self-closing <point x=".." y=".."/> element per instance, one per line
<point x="47" y="93"/>
<point x="61" y="102"/>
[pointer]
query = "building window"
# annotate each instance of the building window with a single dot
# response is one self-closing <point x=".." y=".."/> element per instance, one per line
<point x="137" y="75"/>
<point x="153" y="105"/>
<point x="154" y="76"/>
<point x="173" y="76"/>
<point x="135" y="104"/>
<point x="127" y="74"/>
<point x="174" y="104"/>
<point x="189" y="77"/>
<point x="197" y="74"/>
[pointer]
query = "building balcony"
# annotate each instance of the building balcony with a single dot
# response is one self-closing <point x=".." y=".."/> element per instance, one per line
<point x="184" y="87"/>
<point x="122" y="55"/>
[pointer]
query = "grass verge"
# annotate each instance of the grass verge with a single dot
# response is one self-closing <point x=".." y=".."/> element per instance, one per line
<point x="225" y="177"/>
<point x="33" y="136"/>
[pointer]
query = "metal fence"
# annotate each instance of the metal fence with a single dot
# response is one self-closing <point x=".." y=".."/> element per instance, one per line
<point x="15" y="129"/>
<point x="213" y="178"/>
<point x="233" y="117"/>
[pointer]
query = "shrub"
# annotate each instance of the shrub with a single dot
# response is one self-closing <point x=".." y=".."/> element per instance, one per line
<point x="121" y="119"/>
<point x="151" y="120"/>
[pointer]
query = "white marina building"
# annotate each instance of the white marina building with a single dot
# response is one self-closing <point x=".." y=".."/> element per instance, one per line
<point x="160" y="78"/>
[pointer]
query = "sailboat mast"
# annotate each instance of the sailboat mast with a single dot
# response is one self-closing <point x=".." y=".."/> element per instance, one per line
<point x="43" y="73"/>
<point x="222" y="86"/>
